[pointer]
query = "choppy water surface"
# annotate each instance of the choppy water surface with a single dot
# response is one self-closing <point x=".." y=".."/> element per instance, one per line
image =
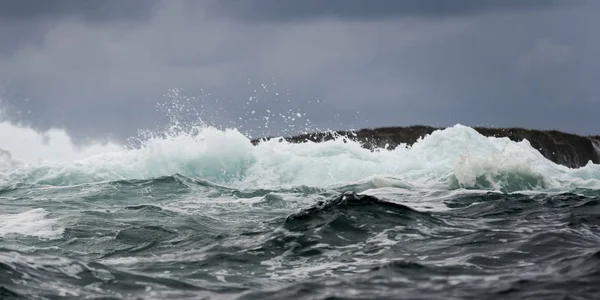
<point x="209" y="216"/>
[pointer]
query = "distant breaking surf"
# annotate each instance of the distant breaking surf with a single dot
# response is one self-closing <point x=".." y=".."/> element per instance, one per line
<point x="566" y="149"/>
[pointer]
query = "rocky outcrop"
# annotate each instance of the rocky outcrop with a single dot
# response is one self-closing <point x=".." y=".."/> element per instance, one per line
<point x="563" y="148"/>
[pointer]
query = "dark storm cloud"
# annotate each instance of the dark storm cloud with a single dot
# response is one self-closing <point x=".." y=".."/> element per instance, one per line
<point x="99" y="71"/>
<point x="97" y="10"/>
<point x="277" y="10"/>
<point x="27" y="21"/>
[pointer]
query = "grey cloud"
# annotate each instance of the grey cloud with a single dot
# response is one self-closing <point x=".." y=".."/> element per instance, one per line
<point x="87" y="9"/>
<point x="276" y="10"/>
<point x="27" y="21"/>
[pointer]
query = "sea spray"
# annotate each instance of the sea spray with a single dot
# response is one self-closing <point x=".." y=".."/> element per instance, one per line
<point x="26" y="144"/>
<point x="456" y="157"/>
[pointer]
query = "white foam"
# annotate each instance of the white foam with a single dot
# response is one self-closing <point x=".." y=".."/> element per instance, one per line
<point x="457" y="157"/>
<point x="453" y="158"/>
<point x="26" y="144"/>
<point x="31" y="223"/>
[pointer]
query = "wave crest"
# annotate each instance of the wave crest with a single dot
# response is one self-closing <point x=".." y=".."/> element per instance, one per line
<point x="454" y="158"/>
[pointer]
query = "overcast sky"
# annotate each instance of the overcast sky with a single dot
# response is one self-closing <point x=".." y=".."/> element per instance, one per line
<point x="99" y="68"/>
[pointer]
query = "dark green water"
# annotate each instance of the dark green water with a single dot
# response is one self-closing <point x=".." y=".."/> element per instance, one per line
<point x="176" y="238"/>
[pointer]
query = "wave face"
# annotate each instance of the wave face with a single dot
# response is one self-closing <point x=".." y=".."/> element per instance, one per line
<point x="207" y="214"/>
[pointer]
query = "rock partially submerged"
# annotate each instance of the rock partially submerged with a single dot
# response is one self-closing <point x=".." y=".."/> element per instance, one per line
<point x="566" y="149"/>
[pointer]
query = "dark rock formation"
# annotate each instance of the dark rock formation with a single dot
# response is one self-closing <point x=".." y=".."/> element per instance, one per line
<point x="563" y="148"/>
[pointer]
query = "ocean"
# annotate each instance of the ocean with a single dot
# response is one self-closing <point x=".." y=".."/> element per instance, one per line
<point x="208" y="215"/>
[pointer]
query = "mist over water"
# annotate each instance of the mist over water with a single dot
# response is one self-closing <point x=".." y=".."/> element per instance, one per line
<point x="195" y="210"/>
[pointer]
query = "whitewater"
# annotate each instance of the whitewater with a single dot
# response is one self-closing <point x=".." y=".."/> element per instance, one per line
<point x="457" y="157"/>
<point x="201" y="212"/>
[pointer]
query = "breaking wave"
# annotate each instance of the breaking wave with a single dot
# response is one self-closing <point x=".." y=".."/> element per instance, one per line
<point x="454" y="158"/>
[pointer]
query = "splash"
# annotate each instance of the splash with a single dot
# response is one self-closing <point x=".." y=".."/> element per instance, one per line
<point x="24" y="144"/>
<point x="191" y="145"/>
<point x="454" y="158"/>
<point x="266" y="112"/>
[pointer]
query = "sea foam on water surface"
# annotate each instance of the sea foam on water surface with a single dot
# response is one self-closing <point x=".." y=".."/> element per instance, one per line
<point x="34" y="222"/>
